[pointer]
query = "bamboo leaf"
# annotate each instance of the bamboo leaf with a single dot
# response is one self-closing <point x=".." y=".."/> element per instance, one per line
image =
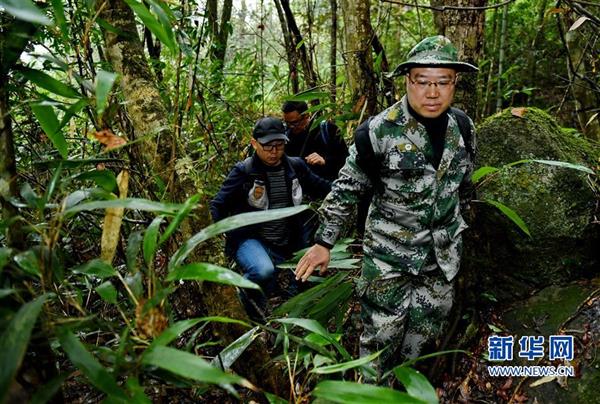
<point x="511" y="214"/>
<point x="189" y="365"/>
<point x="150" y="239"/>
<point x="416" y="384"/>
<point x="99" y="376"/>
<point x="5" y="254"/>
<point x="28" y="262"/>
<point x="52" y="185"/>
<point x="134" y="244"/>
<point x="59" y="17"/>
<point x="49" y="83"/>
<point x="127" y="203"/>
<point x="6" y="292"/>
<point x="107" y="292"/>
<point x="187" y="207"/>
<point x="103" y="178"/>
<point x="25" y="10"/>
<point x="230" y="223"/>
<point x="564" y="164"/>
<point x="163" y="32"/>
<point x="111" y="229"/>
<point x="482" y="172"/>
<point x="49" y="122"/>
<point x="173" y="332"/>
<point x="307" y="96"/>
<point x="201" y="271"/>
<point x="45" y="393"/>
<point x="232" y="352"/>
<point x="342" y="367"/>
<point x="273" y="399"/>
<point x="349" y="392"/>
<point x="14" y="340"/>
<point x="97" y="268"/>
<point x="104" y="83"/>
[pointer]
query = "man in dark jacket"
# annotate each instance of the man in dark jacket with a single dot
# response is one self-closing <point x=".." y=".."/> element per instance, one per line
<point x="321" y="147"/>
<point x="266" y="180"/>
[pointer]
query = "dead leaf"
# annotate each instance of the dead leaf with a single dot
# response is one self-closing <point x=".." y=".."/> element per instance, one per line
<point x="555" y="10"/>
<point x="543" y="380"/>
<point x="578" y="23"/>
<point x="112" y="221"/>
<point x="109" y="139"/>
<point x="520" y="112"/>
<point x="591" y="119"/>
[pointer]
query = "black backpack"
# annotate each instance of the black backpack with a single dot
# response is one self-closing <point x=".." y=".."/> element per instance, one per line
<point x="369" y="163"/>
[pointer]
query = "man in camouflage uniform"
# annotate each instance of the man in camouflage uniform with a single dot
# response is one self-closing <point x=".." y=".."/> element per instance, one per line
<point x="415" y="159"/>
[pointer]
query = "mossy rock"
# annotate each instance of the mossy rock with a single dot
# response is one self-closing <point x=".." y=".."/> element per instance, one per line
<point x="557" y="204"/>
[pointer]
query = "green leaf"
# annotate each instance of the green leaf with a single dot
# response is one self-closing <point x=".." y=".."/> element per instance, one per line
<point x="52" y="185"/>
<point x="99" y="376"/>
<point x="173" y="332"/>
<point x="416" y="384"/>
<point x="14" y="340"/>
<point x="137" y="391"/>
<point x="128" y="203"/>
<point x="187" y="207"/>
<point x="307" y="96"/>
<point x="564" y="164"/>
<point x="73" y="110"/>
<point x="5" y="254"/>
<point x="232" y="352"/>
<point x="49" y="83"/>
<point x="45" y="393"/>
<point x="511" y="214"/>
<point x="59" y="17"/>
<point x="49" y="122"/>
<point x="188" y="365"/>
<point x="482" y="172"/>
<point x="29" y="262"/>
<point x="97" y="268"/>
<point x="201" y="271"/>
<point x="73" y="163"/>
<point x="349" y="392"/>
<point x="31" y="197"/>
<point x="163" y="32"/>
<point x="134" y="243"/>
<point x="25" y="10"/>
<point x="6" y="292"/>
<point x="104" y="83"/>
<point x="103" y="178"/>
<point x="273" y="399"/>
<point x="107" y="292"/>
<point x="230" y="223"/>
<point x="150" y="239"/>
<point x="317" y="328"/>
<point x="495" y="328"/>
<point x="342" y="367"/>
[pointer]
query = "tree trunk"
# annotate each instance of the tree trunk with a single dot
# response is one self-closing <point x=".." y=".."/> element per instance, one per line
<point x="290" y="50"/>
<point x="158" y="153"/>
<point x="465" y="29"/>
<point x="499" y="95"/>
<point x="358" y="57"/>
<point x="333" y="51"/>
<point x="15" y="35"/>
<point x="310" y="76"/>
<point x="219" y="34"/>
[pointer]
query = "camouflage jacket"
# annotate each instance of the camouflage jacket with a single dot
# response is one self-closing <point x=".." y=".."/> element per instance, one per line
<point x="414" y="219"/>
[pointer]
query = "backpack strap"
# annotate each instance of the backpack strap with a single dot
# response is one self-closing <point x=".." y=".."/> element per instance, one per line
<point x="365" y="155"/>
<point x="247" y="165"/>
<point x="324" y="129"/>
<point x="464" y="126"/>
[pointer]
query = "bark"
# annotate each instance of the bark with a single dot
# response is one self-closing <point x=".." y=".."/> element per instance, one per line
<point x="465" y="29"/>
<point x="219" y="34"/>
<point x="14" y="36"/>
<point x="157" y="153"/>
<point x="388" y="83"/>
<point x="310" y="76"/>
<point x="501" y="58"/>
<point x="580" y="68"/>
<point x="358" y="57"/>
<point x="333" y="51"/>
<point x="290" y="50"/>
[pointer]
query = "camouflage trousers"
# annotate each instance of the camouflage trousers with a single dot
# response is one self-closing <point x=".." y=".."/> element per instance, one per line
<point x="402" y="314"/>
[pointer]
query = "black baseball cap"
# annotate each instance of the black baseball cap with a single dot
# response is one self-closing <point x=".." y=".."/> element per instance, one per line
<point x="268" y="129"/>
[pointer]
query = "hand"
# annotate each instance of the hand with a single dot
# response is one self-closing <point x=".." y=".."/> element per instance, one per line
<point x="316" y="256"/>
<point x="315" y="159"/>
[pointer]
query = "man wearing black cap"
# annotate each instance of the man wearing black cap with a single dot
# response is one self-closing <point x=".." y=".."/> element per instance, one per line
<point x="267" y="180"/>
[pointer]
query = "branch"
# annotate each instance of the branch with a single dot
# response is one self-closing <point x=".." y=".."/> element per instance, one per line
<point x="445" y="8"/>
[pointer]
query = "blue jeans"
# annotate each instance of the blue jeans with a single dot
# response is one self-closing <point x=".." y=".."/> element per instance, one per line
<point x="258" y="263"/>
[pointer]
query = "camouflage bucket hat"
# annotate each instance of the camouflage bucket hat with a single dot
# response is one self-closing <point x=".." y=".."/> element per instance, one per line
<point x="434" y="51"/>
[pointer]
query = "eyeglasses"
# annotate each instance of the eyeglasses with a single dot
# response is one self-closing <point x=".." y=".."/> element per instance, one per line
<point x="442" y="85"/>
<point x="273" y="146"/>
<point x="296" y="123"/>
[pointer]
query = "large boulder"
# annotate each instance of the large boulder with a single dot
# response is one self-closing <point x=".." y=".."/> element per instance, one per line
<point x="557" y="204"/>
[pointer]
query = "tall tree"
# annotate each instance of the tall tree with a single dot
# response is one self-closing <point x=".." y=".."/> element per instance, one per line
<point x="219" y="34"/>
<point x="299" y="45"/>
<point x="464" y="26"/>
<point x="358" y="33"/>
<point x="158" y="153"/>
<point x="333" y="50"/>
<point x="290" y="49"/>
